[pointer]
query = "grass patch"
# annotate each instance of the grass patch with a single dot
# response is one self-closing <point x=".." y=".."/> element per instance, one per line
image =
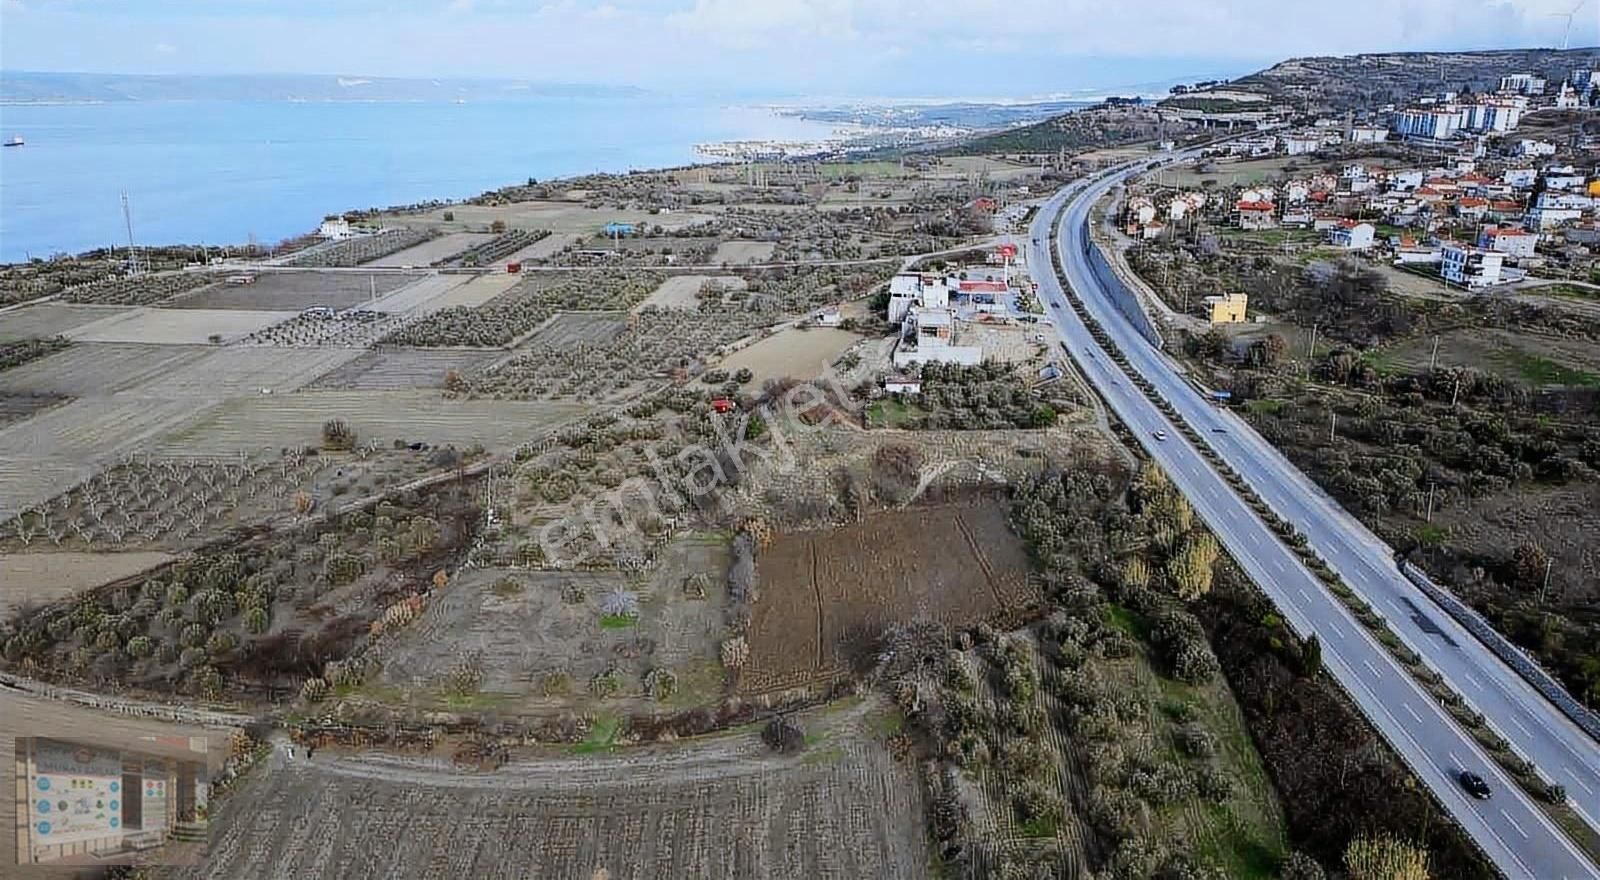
<point x="617" y="621"/>
<point x="506" y="587"/>
<point x="1430" y="535"/>
<point x="1265" y="406"/>
<point x="602" y="737"/>
<point x="886" y="723"/>
<point x="1567" y="291"/>
<point x="891" y="413"/>
<point x="829" y="755"/>
<point x="1039" y="826"/>
<point x="1125" y="619"/>
<point x="463" y="702"/>
<point x="1542" y="371"/>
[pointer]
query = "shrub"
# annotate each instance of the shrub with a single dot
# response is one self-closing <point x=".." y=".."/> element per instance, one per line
<point x="220" y="643"/>
<point x="1299" y="866"/>
<point x="1195" y="741"/>
<point x="606" y="684"/>
<point x="1384" y="858"/>
<point x="257" y="619"/>
<point x="315" y="690"/>
<point x="193" y="635"/>
<point x="660" y="683"/>
<point x="141" y="646"/>
<point x="338" y="435"/>
<point x="207" y="682"/>
<point x="783" y="735"/>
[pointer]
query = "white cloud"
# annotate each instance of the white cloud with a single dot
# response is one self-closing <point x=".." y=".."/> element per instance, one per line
<point x="165" y="49"/>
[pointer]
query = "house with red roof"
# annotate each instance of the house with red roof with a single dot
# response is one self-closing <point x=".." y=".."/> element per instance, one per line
<point x="1256" y="215"/>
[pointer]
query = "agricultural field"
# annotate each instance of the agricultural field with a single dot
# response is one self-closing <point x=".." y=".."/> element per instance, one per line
<point x="826" y="595"/>
<point x="797" y="354"/>
<point x="17" y="407"/>
<point x="476" y="292"/>
<point x="543" y="249"/>
<point x="726" y="806"/>
<point x="744" y="252"/>
<point x="98" y="368"/>
<point x="433" y="251"/>
<point x="556" y="216"/>
<point x="1520" y="357"/>
<point x="251" y="424"/>
<point x="294" y="291"/>
<point x="541" y="640"/>
<point x="33" y="577"/>
<point x="569" y="330"/>
<point x="683" y="291"/>
<point x="358" y="250"/>
<point x="397" y="369"/>
<point x="51" y="319"/>
<point x="178" y="326"/>
<point x="421" y="295"/>
<point x="138" y="290"/>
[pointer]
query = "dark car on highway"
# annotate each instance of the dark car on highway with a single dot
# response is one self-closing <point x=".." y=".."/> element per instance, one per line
<point x="1474" y="785"/>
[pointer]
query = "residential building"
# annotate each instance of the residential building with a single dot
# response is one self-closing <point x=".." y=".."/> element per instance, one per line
<point x="1572" y="182"/>
<point x="1521" y="178"/>
<point x="915" y="288"/>
<point x="1471" y="208"/>
<point x="1353" y="236"/>
<point x="1567" y="98"/>
<point x="1511" y="242"/>
<point x="1367" y="134"/>
<point x="1407" y="180"/>
<point x="1433" y="123"/>
<point x="1543" y="217"/>
<point x="902" y="384"/>
<point x="1492" y="115"/>
<point x="616" y="228"/>
<point x="1227" y="309"/>
<point x="1300" y="144"/>
<point x="335" y="229"/>
<point x="1522" y="84"/>
<point x="826" y="317"/>
<point x="1255" y="215"/>
<point x="1470" y="267"/>
<point x="1299" y="217"/>
<point x="929" y="336"/>
<point x="1529" y="148"/>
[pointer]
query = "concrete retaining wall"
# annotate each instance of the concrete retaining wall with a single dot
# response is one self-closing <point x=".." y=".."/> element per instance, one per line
<point x="1124" y="298"/>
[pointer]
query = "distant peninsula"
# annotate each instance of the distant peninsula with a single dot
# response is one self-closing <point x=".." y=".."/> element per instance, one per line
<point x="40" y="87"/>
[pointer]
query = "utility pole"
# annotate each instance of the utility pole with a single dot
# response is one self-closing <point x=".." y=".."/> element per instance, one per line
<point x="1544" y="589"/>
<point x="1332" y="424"/>
<point x="1433" y="359"/>
<point x="127" y="220"/>
<point x="1455" y="392"/>
<point x="1430" y="501"/>
<point x="1312" y="357"/>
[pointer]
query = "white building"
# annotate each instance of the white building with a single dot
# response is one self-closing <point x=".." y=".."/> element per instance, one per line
<point x="335" y="228"/>
<point x="1433" y="123"/>
<point x="1511" y="242"/>
<point x="1522" y="84"/>
<point x="1470" y="267"/>
<point x="928" y="337"/>
<point x="1565" y="181"/>
<point x="1354" y="237"/>
<point x="1368" y="134"/>
<point x="1521" y="178"/>
<point x="1526" y="147"/>
<point x="1550" y="217"/>
<point x="1300" y="144"/>
<point x="1567" y="99"/>
<point x="916" y="288"/>
<point x="1492" y="115"/>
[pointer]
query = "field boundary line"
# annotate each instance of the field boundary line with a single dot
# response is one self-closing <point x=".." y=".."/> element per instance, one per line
<point x="816" y="591"/>
<point x="983" y="561"/>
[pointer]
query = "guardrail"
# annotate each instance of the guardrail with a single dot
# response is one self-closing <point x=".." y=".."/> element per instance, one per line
<point x="1502" y="647"/>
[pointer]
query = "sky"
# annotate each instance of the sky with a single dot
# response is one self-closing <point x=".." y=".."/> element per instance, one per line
<point x="887" y="48"/>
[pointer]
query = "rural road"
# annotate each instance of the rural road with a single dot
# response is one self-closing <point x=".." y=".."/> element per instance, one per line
<point x="1510" y="827"/>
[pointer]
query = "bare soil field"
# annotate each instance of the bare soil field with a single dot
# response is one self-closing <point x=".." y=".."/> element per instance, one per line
<point x="428" y="252"/>
<point x="543" y="249"/>
<point x="826" y="595"/>
<point x="799" y="354"/>
<point x="552" y="215"/>
<point x="51" y="319"/>
<point x="42" y="576"/>
<point x="398" y="369"/>
<point x="1008" y="344"/>
<point x="476" y="292"/>
<point x="744" y="252"/>
<point x="724" y="807"/>
<point x="423" y="295"/>
<point x="542" y="635"/>
<point x="98" y="368"/>
<point x="261" y="422"/>
<point x="178" y="326"/>
<point x="568" y="330"/>
<point x="294" y="291"/>
<point x="1523" y="357"/>
<point x="682" y="291"/>
<point x="16" y="407"/>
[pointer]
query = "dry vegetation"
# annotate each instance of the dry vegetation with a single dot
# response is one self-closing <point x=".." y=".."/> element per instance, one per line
<point x="361" y="249"/>
<point x="137" y="290"/>
<point x="523" y="308"/>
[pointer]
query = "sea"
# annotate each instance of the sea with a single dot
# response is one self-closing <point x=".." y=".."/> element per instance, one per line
<point x="222" y="172"/>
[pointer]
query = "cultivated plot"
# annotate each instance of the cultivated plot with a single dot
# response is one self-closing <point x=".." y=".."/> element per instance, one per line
<point x="178" y="326"/>
<point x="419" y="296"/>
<point x="798" y="354"/>
<point x="542" y="249"/>
<point x="572" y="217"/>
<point x="249" y="424"/>
<point x="825" y="596"/>
<point x="295" y="291"/>
<point x="51" y="319"/>
<point x="394" y="369"/>
<point x="476" y="292"/>
<point x="569" y="330"/>
<point x="727" y="807"/>
<point x="46" y="575"/>
<point x="429" y="252"/>
<point x="744" y="252"/>
<point x="98" y="369"/>
<point x="683" y="291"/>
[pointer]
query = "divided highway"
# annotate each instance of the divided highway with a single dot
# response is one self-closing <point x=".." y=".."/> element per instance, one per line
<point x="1510" y="827"/>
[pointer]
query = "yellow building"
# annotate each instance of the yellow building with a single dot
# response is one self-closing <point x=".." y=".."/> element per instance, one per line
<point x="1228" y="309"/>
<point x="1594" y="188"/>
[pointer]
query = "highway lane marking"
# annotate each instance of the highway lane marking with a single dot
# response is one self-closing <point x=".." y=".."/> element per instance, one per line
<point x="1336" y="628"/>
<point x="1278" y="564"/>
<point x="1520" y="726"/>
<point x="1456" y="761"/>
<point x="1303" y="594"/>
<point x="1412" y="712"/>
<point x="1368" y="663"/>
<point x="1514" y="823"/>
<point x="1472" y="678"/>
<point x="1581" y="784"/>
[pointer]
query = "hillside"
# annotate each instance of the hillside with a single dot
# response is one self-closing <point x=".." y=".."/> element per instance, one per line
<point x="1098" y="126"/>
<point x="1359" y="81"/>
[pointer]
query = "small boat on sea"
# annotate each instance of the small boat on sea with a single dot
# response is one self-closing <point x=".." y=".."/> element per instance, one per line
<point x="15" y="141"/>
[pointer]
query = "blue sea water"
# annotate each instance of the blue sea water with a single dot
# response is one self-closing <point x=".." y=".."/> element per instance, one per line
<point x="221" y="172"/>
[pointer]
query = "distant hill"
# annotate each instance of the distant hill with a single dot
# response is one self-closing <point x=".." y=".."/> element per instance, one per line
<point x="34" y="87"/>
<point x="1096" y="126"/>
<point x="1356" y="82"/>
